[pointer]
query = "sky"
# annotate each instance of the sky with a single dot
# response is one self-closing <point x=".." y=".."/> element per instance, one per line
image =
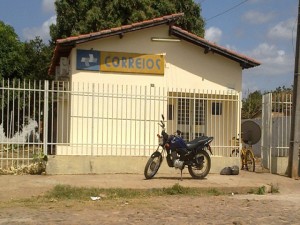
<point x="264" y="30"/>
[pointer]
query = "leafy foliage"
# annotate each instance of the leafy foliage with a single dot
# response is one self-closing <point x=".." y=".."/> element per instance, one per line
<point x="85" y="16"/>
<point x="283" y="89"/>
<point x="36" y="167"/>
<point x="11" y="53"/>
<point x="29" y="60"/>
<point x="251" y="105"/>
<point x="38" y="56"/>
<point x="39" y="162"/>
<point x="18" y="60"/>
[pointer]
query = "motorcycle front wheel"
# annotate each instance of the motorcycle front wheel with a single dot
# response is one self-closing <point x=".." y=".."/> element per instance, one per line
<point x="201" y="165"/>
<point x="152" y="166"/>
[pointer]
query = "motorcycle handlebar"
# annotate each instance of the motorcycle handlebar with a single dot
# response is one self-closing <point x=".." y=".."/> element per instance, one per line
<point x="162" y="125"/>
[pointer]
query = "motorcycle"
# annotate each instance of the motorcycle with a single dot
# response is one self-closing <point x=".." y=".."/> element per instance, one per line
<point x="193" y="154"/>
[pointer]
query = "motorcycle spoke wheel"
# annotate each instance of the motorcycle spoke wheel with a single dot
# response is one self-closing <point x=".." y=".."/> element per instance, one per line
<point x="152" y="166"/>
<point x="201" y="165"/>
<point x="250" y="162"/>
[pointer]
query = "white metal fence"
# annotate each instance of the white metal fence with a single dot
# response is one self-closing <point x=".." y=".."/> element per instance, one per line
<point x="276" y="126"/>
<point x="100" y="119"/>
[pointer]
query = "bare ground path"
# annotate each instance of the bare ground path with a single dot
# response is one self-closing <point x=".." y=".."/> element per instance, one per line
<point x="281" y="208"/>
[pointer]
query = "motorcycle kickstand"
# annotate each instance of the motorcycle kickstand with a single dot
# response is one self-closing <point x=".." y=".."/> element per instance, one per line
<point x="181" y="175"/>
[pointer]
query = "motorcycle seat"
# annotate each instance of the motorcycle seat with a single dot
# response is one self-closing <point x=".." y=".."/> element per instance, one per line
<point x="198" y="141"/>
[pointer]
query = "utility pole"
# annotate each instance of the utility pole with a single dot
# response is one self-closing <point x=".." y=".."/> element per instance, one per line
<point x="293" y="166"/>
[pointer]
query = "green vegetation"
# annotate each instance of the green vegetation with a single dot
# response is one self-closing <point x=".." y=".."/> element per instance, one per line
<point x="214" y="192"/>
<point x="67" y="192"/>
<point x="22" y="60"/>
<point x="261" y="190"/>
<point x="31" y="59"/>
<point x="12" y="57"/>
<point x="35" y="167"/>
<point x="86" y="16"/>
<point x="252" y="103"/>
<point x="39" y="163"/>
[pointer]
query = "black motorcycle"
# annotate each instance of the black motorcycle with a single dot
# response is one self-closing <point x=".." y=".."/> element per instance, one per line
<point x="193" y="154"/>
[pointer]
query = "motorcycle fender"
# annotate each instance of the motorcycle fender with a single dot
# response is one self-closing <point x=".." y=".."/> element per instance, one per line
<point x="155" y="154"/>
<point x="208" y="149"/>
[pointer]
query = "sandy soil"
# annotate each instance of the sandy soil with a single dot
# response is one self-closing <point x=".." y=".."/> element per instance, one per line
<point x="16" y="206"/>
<point x="236" y="209"/>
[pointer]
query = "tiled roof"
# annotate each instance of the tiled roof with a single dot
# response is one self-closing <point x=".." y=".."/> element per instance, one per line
<point x="64" y="46"/>
<point x="123" y="29"/>
<point x="245" y="61"/>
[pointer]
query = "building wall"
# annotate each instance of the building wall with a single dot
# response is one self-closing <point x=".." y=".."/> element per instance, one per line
<point x="186" y="65"/>
<point x="104" y="114"/>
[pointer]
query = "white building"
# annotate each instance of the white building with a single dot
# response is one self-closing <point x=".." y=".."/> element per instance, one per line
<point x="122" y="79"/>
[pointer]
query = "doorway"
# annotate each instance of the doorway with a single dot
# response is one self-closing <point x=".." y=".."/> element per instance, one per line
<point x="189" y="116"/>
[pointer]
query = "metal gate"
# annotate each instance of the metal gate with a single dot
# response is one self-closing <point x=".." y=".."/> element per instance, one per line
<point x="276" y="126"/>
<point x="28" y="119"/>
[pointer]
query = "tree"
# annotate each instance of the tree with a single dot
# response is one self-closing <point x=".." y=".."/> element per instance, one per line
<point x="18" y="60"/>
<point x="192" y="20"/>
<point x="29" y="60"/>
<point x="251" y="105"/>
<point x="38" y="56"/>
<point x="283" y="89"/>
<point x="86" y="16"/>
<point x="12" y="58"/>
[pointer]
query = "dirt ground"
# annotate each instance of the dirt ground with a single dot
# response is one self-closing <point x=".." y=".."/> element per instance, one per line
<point x="239" y="209"/>
<point x="280" y="208"/>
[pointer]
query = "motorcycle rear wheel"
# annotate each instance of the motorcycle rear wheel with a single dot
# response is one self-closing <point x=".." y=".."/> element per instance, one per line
<point x="152" y="166"/>
<point x="201" y="165"/>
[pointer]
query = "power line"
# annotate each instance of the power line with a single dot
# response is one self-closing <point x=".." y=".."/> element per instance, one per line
<point x="222" y="13"/>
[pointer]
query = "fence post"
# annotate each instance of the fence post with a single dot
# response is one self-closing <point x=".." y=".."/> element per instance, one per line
<point x="93" y="119"/>
<point x="266" y="138"/>
<point x="45" y="122"/>
<point x="270" y="127"/>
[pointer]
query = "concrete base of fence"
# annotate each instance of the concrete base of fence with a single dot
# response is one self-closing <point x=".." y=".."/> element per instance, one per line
<point x="119" y="164"/>
<point x="279" y="165"/>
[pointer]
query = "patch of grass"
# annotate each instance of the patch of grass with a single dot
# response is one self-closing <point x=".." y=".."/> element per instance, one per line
<point x="262" y="190"/>
<point x="176" y="189"/>
<point x="214" y="192"/>
<point x="67" y="192"/>
<point x="259" y="191"/>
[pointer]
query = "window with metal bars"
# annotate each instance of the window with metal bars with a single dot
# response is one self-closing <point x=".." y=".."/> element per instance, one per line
<point x="183" y="111"/>
<point x="199" y="112"/>
<point x="217" y="108"/>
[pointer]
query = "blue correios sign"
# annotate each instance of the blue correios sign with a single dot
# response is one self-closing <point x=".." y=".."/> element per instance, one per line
<point x="88" y="60"/>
